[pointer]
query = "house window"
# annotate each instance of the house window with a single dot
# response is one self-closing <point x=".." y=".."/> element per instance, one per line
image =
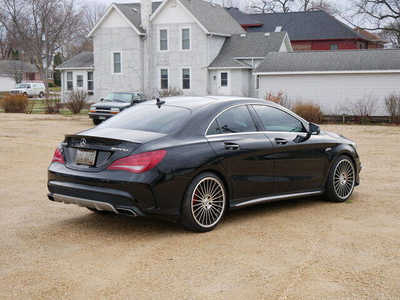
<point x="117" y="62"/>
<point x="70" y="82"/>
<point x="257" y="82"/>
<point x="224" y="79"/>
<point x="163" y="39"/>
<point x="186" y="78"/>
<point x="90" y="82"/>
<point x="334" y="47"/>
<point x="185" y="38"/>
<point x="164" y="79"/>
<point x="79" y="81"/>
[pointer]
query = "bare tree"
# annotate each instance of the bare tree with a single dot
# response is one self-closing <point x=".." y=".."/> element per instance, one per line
<point x="92" y="13"/>
<point x="268" y="6"/>
<point x="392" y="36"/>
<point x="378" y="14"/>
<point x="42" y="25"/>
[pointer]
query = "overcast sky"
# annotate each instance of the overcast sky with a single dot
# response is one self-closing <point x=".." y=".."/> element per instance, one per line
<point x="342" y="5"/>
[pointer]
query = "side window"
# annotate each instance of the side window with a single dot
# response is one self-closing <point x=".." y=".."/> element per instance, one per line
<point x="237" y="119"/>
<point x="70" y="83"/>
<point x="275" y="119"/>
<point x="163" y="39"/>
<point x="214" y="128"/>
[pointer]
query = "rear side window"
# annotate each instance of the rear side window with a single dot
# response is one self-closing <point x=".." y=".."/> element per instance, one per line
<point x="275" y="119"/>
<point x="236" y="120"/>
<point x="148" y="117"/>
<point x="214" y="128"/>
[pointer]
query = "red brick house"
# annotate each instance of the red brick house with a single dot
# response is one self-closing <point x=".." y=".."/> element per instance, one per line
<point x="315" y="30"/>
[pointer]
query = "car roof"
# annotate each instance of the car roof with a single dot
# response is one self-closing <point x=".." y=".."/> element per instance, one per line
<point x="195" y="103"/>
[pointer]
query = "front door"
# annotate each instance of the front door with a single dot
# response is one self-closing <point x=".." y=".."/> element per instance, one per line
<point x="299" y="164"/>
<point x="224" y="83"/>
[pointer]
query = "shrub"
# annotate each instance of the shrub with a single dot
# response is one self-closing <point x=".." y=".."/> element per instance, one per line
<point x="14" y="103"/>
<point x="392" y="103"/>
<point x="29" y="107"/>
<point x="364" y="108"/>
<point x="52" y="106"/>
<point x="76" y="101"/>
<point x="51" y="85"/>
<point x="280" y="99"/>
<point x="170" y="92"/>
<point x="309" y="111"/>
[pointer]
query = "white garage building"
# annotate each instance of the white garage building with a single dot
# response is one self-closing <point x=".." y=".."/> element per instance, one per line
<point x="333" y="79"/>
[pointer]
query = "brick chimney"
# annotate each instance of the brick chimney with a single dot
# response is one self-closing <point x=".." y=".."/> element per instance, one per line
<point x="145" y="13"/>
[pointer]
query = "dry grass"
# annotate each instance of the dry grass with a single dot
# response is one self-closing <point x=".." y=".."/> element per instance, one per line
<point x="298" y="249"/>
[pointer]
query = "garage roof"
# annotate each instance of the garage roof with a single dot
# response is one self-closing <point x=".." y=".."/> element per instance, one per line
<point x="331" y="61"/>
<point x="83" y="60"/>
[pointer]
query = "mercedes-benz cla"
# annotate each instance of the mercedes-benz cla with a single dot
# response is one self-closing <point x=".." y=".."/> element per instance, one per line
<point x="190" y="159"/>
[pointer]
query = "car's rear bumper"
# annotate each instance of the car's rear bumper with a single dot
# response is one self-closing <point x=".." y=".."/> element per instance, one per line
<point x="118" y="191"/>
<point x="95" y="197"/>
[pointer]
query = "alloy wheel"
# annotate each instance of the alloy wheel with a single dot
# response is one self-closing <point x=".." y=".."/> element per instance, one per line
<point x="344" y="179"/>
<point x="208" y="202"/>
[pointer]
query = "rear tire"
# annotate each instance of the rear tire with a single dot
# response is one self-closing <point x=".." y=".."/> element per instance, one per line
<point x="204" y="203"/>
<point x="96" y="121"/>
<point x="341" y="180"/>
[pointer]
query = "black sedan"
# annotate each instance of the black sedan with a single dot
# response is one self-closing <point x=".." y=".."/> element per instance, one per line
<point x="190" y="159"/>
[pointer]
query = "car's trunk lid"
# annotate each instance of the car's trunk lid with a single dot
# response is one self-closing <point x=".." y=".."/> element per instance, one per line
<point x="93" y="150"/>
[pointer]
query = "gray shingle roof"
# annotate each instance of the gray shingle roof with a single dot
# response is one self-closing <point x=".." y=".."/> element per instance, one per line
<point x="350" y="60"/>
<point x="254" y="44"/>
<point x="81" y="60"/>
<point x="12" y="66"/>
<point x="314" y="25"/>
<point x="132" y="12"/>
<point x="213" y="17"/>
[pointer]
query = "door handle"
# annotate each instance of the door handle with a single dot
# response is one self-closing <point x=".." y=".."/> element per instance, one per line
<point x="280" y="141"/>
<point x="231" y="146"/>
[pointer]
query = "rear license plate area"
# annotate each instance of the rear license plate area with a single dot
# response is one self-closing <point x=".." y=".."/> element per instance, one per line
<point x="85" y="157"/>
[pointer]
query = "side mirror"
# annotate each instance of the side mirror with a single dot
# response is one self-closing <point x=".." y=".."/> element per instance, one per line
<point x="102" y="99"/>
<point x="314" y="129"/>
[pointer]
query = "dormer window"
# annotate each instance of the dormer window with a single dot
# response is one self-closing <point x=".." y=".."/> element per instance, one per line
<point x="185" y="38"/>
<point x="163" y="39"/>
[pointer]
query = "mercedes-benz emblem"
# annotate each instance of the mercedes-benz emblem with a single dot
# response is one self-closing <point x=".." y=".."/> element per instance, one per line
<point x="83" y="142"/>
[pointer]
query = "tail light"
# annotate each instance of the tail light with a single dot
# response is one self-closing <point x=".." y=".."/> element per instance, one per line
<point x="58" y="156"/>
<point x="138" y="163"/>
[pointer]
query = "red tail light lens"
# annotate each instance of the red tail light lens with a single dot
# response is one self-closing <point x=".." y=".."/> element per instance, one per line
<point x="58" y="156"/>
<point x="139" y="163"/>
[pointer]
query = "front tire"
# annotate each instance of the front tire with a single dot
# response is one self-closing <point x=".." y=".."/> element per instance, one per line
<point x="204" y="203"/>
<point x="341" y="180"/>
<point x="41" y="95"/>
<point x="96" y="121"/>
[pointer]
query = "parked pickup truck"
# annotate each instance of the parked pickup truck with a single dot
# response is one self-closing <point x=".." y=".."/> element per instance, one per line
<point x="113" y="104"/>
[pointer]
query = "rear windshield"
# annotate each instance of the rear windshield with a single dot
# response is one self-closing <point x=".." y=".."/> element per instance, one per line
<point x="148" y="117"/>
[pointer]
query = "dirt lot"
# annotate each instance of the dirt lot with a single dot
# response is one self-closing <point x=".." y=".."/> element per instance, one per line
<point x="304" y="248"/>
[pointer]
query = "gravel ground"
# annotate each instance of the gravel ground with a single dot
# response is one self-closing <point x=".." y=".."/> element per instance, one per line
<point x="305" y="248"/>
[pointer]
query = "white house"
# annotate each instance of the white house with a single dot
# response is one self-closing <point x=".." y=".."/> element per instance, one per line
<point x="190" y="45"/>
<point x="199" y="48"/>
